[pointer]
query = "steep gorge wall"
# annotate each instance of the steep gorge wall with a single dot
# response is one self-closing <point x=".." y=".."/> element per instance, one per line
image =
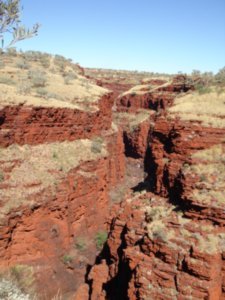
<point x="167" y="243"/>
<point x="36" y="125"/>
<point x="161" y="243"/>
<point x="168" y="258"/>
<point x="43" y="234"/>
<point x="172" y="143"/>
<point x="54" y="230"/>
<point x="156" y="98"/>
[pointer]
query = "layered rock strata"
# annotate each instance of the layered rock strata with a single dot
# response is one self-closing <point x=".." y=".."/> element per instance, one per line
<point x="169" y="244"/>
<point x="34" y="125"/>
<point x="155" y="96"/>
<point x="154" y="252"/>
<point x="57" y="166"/>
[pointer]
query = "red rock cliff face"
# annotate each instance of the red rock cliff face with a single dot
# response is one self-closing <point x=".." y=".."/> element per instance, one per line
<point x="166" y="240"/>
<point x="136" y="140"/>
<point x="117" y="88"/>
<point x="37" y="125"/>
<point x="44" y="233"/>
<point x="116" y="164"/>
<point x="172" y="142"/>
<point x="166" y="248"/>
<point x="169" y="244"/>
<point x="55" y="232"/>
<point x="161" y="260"/>
<point x="157" y="98"/>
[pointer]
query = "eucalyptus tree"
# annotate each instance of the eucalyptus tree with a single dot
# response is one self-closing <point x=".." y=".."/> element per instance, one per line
<point x="10" y="24"/>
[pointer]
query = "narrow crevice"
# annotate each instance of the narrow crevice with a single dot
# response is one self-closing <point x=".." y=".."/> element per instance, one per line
<point x="175" y="194"/>
<point x="2" y="120"/>
<point x="117" y="288"/>
<point x="129" y="149"/>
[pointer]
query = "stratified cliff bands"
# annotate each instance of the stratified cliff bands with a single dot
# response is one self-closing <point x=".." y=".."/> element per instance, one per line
<point x="117" y="198"/>
<point x="168" y="239"/>
<point x="57" y="166"/>
<point x="23" y="124"/>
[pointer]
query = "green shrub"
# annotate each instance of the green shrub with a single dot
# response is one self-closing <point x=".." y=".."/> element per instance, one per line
<point x="24" y="88"/>
<point x="45" y="61"/>
<point x="2" y="64"/>
<point x="11" y="52"/>
<point x="96" y="146"/>
<point x="1" y="176"/>
<point x="22" y="64"/>
<point x="38" y="78"/>
<point x="54" y="155"/>
<point x="202" y="89"/>
<point x="100" y="239"/>
<point x="55" y="96"/>
<point x="68" y="77"/>
<point x="81" y="244"/>
<point x="32" y="55"/>
<point x="6" y="80"/>
<point x="41" y="92"/>
<point x="61" y="62"/>
<point x="203" y="178"/>
<point x="220" y="76"/>
<point x="24" y="277"/>
<point x="67" y="259"/>
<point x="160" y="234"/>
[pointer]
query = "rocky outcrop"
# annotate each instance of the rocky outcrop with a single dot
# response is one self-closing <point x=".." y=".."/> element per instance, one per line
<point x="117" y="87"/>
<point x="45" y="235"/>
<point x="116" y="160"/>
<point x="136" y="140"/>
<point x="150" y="97"/>
<point x="54" y="229"/>
<point x="165" y="233"/>
<point x="169" y="243"/>
<point x="136" y="128"/>
<point x="172" y="143"/>
<point x="154" y="252"/>
<point x="202" y="183"/>
<point x="54" y="186"/>
<point x="36" y="125"/>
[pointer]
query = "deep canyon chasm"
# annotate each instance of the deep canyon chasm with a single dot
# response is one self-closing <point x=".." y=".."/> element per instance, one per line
<point x="132" y="169"/>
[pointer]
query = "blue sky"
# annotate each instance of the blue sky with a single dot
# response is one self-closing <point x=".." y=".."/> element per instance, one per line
<point x="151" y="35"/>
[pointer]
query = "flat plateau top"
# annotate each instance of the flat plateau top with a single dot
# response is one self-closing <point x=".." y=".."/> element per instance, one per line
<point x="30" y="83"/>
<point x="26" y="171"/>
<point x="209" y="109"/>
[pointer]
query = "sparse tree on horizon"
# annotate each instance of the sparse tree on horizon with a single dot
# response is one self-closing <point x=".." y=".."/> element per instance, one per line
<point x="10" y="23"/>
<point x="220" y="76"/>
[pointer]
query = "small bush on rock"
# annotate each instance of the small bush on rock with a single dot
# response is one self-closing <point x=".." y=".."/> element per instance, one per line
<point x="96" y="146"/>
<point x="100" y="239"/>
<point x="38" y="78"/>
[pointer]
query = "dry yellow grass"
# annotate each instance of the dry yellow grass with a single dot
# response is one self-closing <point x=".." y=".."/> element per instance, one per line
<point x="40" y="167"/>
<point x="79" y="92"/>
<point x="213" y="154"/>
<point x="132" y="119"/>
<point x="144" y="88"/>
<point x="209" y="166"/>
<point x="124" y="76"/>
<point x="146" y="79"/>
<point x="209" y="243"/>
<point x="209" y="109"/>
<point x="201" y="235"/>
<point x="156" y="218"/>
